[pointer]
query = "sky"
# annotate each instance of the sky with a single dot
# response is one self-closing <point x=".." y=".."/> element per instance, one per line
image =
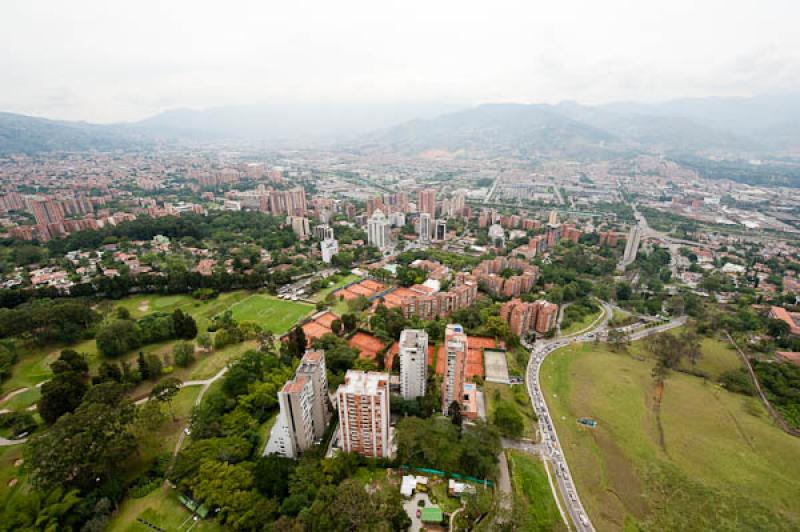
<point x="123" y="60"/>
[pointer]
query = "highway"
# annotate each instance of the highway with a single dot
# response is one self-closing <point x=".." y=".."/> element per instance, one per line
<point x="550" y="444"/>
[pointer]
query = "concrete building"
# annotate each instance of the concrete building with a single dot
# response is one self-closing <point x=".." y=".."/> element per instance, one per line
<point x="413" y="363"/>
<point x="323" y="232"/>
<point x="378" y="230"/>
<point x="299" y="225"/>
<point x="455" y="343"/>
<point x="440" y="230"/>
<point x="328" y="247"/>
<point x="364" y="414"/>
<point x="425" y="227"/>
<point x="497" y="236"/>
<point x="397" y="219"/>
<point x="304" y="411"/>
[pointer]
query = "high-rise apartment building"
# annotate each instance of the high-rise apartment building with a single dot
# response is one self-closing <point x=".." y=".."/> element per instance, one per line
<point x="426" y="201"/>
<point x="304" y="411"/>
<point x="300" y="226"/>
<point x="440" y="230"/>
<point x="425" y="227"/>
<point x="413" y="363"/>
<point x="364" y="414"/>
<point x="455" y="345"/>
<point x="378" y="230"/>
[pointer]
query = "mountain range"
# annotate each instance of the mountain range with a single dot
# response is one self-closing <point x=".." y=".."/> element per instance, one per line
<point x="699" y="126"/>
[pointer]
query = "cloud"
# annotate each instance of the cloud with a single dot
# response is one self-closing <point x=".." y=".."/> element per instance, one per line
<point x="124" y="60"/>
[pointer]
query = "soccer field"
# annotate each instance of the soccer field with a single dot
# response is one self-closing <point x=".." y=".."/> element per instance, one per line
<point x="270" y="313"/>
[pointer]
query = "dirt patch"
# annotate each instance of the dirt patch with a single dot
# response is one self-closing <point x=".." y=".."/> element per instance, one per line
<point x="144" y="306"/>
<point x="12" y="483"/>
<point x="658" y="394"/>
<point x="18" y="462"/>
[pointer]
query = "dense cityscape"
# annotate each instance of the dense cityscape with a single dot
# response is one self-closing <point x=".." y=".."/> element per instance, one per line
<point x="376" y="313"/>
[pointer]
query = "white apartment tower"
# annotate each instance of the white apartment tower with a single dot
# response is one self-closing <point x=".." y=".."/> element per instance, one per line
<point x="364" y="414"/>
<point x="328" y="247"/>
<point x="378" y="230"/>
<point x="413" y="363"/>
<point x="304" y="411"/>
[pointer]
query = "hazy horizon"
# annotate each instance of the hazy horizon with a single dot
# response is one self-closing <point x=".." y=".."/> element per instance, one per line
<point x="124" y="61"/>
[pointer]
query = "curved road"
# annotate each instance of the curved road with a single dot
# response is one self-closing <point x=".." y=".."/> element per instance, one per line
<point x="550" y="442"/>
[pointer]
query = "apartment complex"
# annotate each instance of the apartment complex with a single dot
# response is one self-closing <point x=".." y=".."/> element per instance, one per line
<point x="304" y="411"/>
<point x="522" y="318"/>
<point x="455" y="349"/>
<point x="364" y="414"/>
<point x="413" y="363"/>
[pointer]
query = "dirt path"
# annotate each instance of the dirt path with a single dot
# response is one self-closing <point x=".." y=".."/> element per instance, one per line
<point x="658" y="394"/>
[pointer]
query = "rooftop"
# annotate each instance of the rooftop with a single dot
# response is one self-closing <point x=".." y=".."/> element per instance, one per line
<point x="364" y="383"/>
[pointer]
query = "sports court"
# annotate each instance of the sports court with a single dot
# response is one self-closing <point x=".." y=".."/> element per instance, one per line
<point x="496" y="365"/>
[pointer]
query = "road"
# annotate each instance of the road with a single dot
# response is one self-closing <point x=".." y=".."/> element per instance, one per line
<point x="549" y="438"/>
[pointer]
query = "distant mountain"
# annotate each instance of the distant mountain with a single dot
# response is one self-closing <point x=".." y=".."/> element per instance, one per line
<point x="763" y="119"/>
<point x="497" y="129"/>
<point x="29" y="135"/>
<point x="564" y="130"/>
<point x="744" y="128"/>
<point x="290" y="122"/>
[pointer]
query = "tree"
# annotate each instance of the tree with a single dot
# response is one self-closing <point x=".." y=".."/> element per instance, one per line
<point x="184" y="325"/>
<point x="618" y="341"/>
<point x="296" y="343"/>
<point x="165" y="391"/>
<point x="64" y="392"/>
<point x="508" y="420"/>
<point x="336" y="327"/>
<point x="99" y="439"/>
<point x="144" y="371"/>
<point x="183" y="354"/>
<point x="118" y="337"/>
<point x="154" y="366"/>
<point x="350" y="322"/>
<point x="455" y="414"/>
<point x="204" y="341"/>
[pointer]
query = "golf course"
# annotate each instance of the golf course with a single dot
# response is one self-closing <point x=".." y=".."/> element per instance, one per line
<point x="714" y="461"/>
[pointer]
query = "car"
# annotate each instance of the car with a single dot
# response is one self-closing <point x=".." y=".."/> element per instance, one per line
<point x="419" y="512"/>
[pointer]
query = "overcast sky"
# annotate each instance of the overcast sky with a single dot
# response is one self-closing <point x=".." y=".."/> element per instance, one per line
<point x="123" y="60"/>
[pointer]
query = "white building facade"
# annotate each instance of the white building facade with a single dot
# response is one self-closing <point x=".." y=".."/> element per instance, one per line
<point x="413" y="363"/>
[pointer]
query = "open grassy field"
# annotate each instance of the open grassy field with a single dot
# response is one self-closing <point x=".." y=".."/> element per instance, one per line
<point x="271" y="313"/>
<point x="532" y="491"/>
<point x="159" y="508"/>
<point x="583" y="323"/>
<point x="715" y="461"/>
<point x="515" y="395"/>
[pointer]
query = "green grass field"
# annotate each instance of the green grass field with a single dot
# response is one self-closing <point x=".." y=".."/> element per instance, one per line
<point x="271" y="313"/>
<point x="721" y="463"/>
<point x="9" y="471"/>
<point x="581" y="324"/>
<point x="159" y="508"/>
<point x="532" y="491"/>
